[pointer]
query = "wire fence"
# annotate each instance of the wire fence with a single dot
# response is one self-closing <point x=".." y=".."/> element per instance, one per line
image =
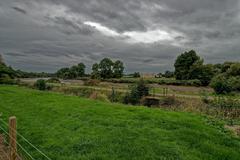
<point x="25" y="151"/>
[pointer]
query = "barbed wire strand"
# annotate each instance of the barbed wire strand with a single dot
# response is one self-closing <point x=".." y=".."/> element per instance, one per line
<point x="17" y="143"/>
<point x="26" y="140"/>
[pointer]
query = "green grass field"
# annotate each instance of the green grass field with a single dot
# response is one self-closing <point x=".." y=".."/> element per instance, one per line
<point x="72" y="128"/>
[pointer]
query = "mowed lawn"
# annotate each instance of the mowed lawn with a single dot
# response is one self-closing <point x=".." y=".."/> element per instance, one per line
<point x="73" y="128"/>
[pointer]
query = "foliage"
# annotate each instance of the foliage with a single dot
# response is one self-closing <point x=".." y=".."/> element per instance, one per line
<point x="72" y="72"/>
<point x="73" y="128"/>
<point x="23" y="74"/>
<point x="204" y="73"/>
<point x="168" y="74"/>
<point x="220" y="84"/>
<point x="118" y="69"/>
<point x="76" y="91"/>
<point x="183" y="64"/>
<point x="6" y="71"/>
<point x="6" y="79"/>
<point x="162" y="81"/>
<point x="234" y="70"/>
<point x="137" y="92"/>
<point x="227" y="107"/>
<point x="95" y="71"/>
<point x="226" y="66"/>
<point x="40" y="84"/>
<point x="136" y="75"/>
<point x="234" y="82"/>
<point x="107" y="69"/>
<point x="7" y="74"/>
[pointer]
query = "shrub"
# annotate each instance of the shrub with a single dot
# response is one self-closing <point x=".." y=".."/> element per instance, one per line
<point x="6" y="79"/>
<point x="234" y="82"/>
<point x="220" y="84"/>
<point x="40" y="84"/>
<point x="137" y="93"/>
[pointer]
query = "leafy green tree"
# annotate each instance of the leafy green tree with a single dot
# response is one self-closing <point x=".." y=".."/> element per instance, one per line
<point x="81" y="69"/>
<point x="95" y="71"/>
<point x="118" y="69"/>
<point x="66" y="73"/>
<point x="105" y="68"/>
<point x="73" y="72"/>
<point x="136" y="75"/>
<point x="168" y="74"/>
<point x="4" y="70"/>
<point x="183" y="64"/>
<point x="78" y="71"/>
<point x="204" y="73"/>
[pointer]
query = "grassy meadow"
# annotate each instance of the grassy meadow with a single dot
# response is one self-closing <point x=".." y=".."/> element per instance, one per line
<point x="73" y="128"/>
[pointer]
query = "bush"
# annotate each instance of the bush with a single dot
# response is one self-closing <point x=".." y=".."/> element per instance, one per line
<point x="137" y="92"/>
<point x="5" y="79"/>
<point x="53" y="80"/>
<point x="220" y="84"/>
<point x="40" y="84"/>
<point x="234" y="82"/>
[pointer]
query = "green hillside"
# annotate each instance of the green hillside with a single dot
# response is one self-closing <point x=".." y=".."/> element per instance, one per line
<point x="72" y="128"/>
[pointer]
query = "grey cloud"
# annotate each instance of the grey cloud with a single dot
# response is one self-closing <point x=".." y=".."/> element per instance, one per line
<point x="45" y="39"/>
<point x="20" y="10"/>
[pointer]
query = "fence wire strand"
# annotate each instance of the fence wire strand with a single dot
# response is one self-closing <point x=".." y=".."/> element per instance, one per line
<point x="22" y="148"/>
<point x="27" y="141"/>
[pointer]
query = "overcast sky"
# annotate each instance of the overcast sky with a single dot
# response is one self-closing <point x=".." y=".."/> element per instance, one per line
<point x="45" y="35"/>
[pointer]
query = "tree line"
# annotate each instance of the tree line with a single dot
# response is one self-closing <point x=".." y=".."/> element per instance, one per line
<point x="224" y="78"/>
<point x="105" y="69"/>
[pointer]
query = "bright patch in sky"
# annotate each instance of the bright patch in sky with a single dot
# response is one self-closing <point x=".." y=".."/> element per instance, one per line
<point x="106" y="31"/>
<point x="150" y="36"/>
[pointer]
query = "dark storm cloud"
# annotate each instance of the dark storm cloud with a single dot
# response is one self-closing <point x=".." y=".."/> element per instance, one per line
<point x="20" y="10"/>
<point x="147" y="35"/>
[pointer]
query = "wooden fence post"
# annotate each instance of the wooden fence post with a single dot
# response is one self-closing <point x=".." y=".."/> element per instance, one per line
<point x="13" y="138"/>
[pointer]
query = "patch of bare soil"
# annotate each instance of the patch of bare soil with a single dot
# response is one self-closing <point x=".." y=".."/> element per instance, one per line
<point x="235" y="129"/>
